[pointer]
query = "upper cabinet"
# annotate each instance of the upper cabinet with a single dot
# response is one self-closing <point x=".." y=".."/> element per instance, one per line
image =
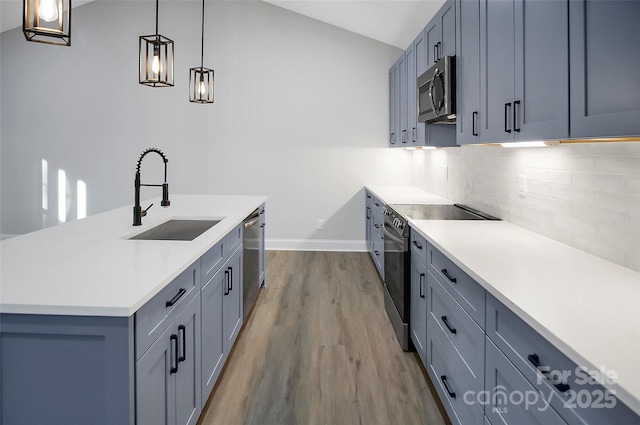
<point x="605" y="68"/>
<point x="468" y="71"/>
<point x="393" y="104"/>
<point x="524" y="70"/>
<point x="440" y="34"/>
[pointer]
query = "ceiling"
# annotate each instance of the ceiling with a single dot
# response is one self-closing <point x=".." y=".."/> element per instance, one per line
<point x="394" y="22"/>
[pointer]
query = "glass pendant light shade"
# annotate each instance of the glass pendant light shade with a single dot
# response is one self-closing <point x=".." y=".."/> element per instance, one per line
<point x="155" y="66"/>
<point x="156" y="61"/>
<point x="201" y="85"/>
<point x="201" y="78"/>
<point x="47" y="21"/>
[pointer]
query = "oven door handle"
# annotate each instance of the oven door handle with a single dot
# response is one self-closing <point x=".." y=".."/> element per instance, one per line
<point x="393" y="237"/>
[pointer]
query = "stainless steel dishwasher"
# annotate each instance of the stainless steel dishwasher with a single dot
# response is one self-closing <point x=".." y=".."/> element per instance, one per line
<point x="251" y="266"/>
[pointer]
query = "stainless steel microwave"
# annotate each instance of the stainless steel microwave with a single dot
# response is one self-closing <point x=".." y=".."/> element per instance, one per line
<point x="437" y="93"/>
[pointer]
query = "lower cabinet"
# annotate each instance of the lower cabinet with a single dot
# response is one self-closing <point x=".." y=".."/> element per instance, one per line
<point x="261" y="258"/>
<point x="168" y="374"/>
<point x="232" y="300"/>
<point x="374" y="230"/>
<point x="418" y="324"/>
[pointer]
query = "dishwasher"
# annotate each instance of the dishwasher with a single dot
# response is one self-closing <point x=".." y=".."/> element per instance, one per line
<point x="251" y="259"/>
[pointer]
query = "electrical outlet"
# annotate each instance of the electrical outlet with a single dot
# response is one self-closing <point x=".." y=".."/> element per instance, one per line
<point x="320" y="224"/>
<point x="522" y="185"/>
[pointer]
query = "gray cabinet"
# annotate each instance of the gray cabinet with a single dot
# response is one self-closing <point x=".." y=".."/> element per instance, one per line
<point x="375" y="230"/>
<point x="261" y="258"/>
<point x="523" y="70"/>
<point x="468" y="72"/>
<point x="394" y="112"/>
<point x="411" y="97"/>
<point x="232" y="300"/>
<point x="213" y="354"/>
<point x="418" y="323"/>
<point x="605" y="59"/>
<point x="168" y="374"/>
<point x="440" y="34"/>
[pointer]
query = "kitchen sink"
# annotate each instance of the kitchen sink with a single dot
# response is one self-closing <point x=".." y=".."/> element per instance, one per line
<point x="177" y="230"/>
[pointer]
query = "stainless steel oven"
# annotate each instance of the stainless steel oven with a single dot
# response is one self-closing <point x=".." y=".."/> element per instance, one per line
<point x="397" y="261"/>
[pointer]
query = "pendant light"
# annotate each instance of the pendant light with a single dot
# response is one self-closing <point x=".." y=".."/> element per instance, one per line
<point x="155" y="67"/>
<point x="47" y="21"/>
<point x="201" y="79"/>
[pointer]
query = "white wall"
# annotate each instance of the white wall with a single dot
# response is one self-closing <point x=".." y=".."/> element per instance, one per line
<point x="300" y="116"/>
<point x="584" y="195"/>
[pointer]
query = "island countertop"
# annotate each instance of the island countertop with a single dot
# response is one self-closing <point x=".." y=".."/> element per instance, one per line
<point x="89" y="267"/>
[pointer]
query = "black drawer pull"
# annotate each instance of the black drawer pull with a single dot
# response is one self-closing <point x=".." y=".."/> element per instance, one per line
<point x="183" y="356"/>
<point x="446" y="274"/>
<point x="175" y="299"/>
<point x="474" y="123"/>
<point x="230" y="279"/>
<point x="507" y="112"/>
<point x="174" y="346"/>
<point x="226" y="276"/>
<point x="446" y="323"/>
<point x="417" y="245"/>
<point x="377" y="226"/>
<point x="443" y="378"/>
<point x="535" y="361"/>
<point x="516" y="119"/>
<point x="422" y="276"/>
<point x="375" y="252"/>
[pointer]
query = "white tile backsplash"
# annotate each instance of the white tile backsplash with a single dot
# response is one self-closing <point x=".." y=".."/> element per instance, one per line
<point x="585" y="195"/>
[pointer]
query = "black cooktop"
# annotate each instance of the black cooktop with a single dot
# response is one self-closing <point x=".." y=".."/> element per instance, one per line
<point x="440" y="212"/>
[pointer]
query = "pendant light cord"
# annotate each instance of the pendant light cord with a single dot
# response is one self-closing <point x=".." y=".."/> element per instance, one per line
<point x="202" y="40"/>
<point x="157" y="17"/>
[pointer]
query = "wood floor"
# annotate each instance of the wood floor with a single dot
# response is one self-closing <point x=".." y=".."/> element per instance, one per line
<point x="319" y="349"/>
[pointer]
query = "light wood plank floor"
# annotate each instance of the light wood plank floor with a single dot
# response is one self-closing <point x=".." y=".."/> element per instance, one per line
<point x="319" y="349"/>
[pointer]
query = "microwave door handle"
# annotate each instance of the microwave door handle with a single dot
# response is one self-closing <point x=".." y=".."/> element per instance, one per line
<point x="431" y="83"/>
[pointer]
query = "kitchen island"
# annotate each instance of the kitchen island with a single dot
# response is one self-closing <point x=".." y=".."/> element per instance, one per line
<point x="83" y="309"/>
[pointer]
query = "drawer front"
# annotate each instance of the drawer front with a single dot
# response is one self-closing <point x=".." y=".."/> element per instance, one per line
<point x="511" y="399"/>
<point x="378" y="251"/>
<point x="212" y="260"/>
<point x="376" y="204"/>
<point x="378" y="222"/>
<point x="418" y="247"/>
<point x="154" y="317"/>
<point x="469" y="294"/>
<point x="457" y="399"/>
<point x="576" y="398"/>
<point x="233" y="240"/>
<point x="446" y="317"/>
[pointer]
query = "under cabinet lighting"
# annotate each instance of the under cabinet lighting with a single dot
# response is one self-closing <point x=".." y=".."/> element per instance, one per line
<point x="536" y="144"/>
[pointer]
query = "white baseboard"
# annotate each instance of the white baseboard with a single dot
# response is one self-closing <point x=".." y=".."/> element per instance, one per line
<point x="315" y="245"/>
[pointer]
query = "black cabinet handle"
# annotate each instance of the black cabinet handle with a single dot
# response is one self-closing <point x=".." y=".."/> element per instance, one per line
<point x="413" y="135"/>
<point x="516" y="119"/>
<point x="183" y="356"/>
<point x="417" y="245"/>
<point x="446" y="274"/>
<point x="446" y="323"/>
<point x="175" y="299"/>
<point x="368" y="213"/>
<point x="535" y="361"/>
<point x="474" y="123"/>
<point x="404" y="136"/>
<point x="230" y="279"/>
<point x="443" y="378"/>
<point x="439" y="50"/>
<point x="435" y="52"/>
<point x="422" y="285"/>
<point x="391" y="138"/>
<point x="226" y="275"/>
<point x="174" y="346"/>
<point x="376" y="204"/>
<point x="507" y="112"/>
<point x="375" y="252"/>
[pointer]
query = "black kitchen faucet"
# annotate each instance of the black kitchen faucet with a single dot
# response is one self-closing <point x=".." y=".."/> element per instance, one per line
<point x="138" y="212"/>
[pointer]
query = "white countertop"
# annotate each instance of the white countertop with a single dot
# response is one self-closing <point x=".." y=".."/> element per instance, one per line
<point x="397" y="194"/>
<point x="587" y="307"/>
<point x="89" y="267"/>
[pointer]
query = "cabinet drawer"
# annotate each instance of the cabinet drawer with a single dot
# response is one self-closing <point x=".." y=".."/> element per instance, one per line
<point x="511" y="399"/>
<point x="378" y="222"/>
<point x="469" y="294"/>
<point x="154" y="317"/>
<point x="418" y="247"/>
<point x="523" y="346"/>
<point x="232" y="240"/>
<point x="446" y="317"/>
<point x="457" y="398"/>
<point x="212" y="260"/>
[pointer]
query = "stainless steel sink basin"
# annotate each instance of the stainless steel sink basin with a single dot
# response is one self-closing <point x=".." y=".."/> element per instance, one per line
<point x="177" y="230"/>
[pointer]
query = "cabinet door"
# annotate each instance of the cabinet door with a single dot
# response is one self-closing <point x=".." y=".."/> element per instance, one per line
<point x="432" y="34"/>
<point x="212" y="333"/>
<point x="188" y="378"/>
<point x="155" y="381"/>
<point x="420" y="52"/>
<point x="447" y="20"/>
<point x="402" y="101"/>
<point x="496" y="70"/>
<point x="392" y="104"/>
<point x="412" y="105"/>
<point x="468" y="69"/>
<point x="541" y="100"/>
<point x="604" y="64"/>
<point x="418" y="323"/>
<point x="232" y="300"/>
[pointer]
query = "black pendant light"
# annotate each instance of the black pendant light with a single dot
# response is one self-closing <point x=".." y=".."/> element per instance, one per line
<point x="47" y="21"/>
<point x="201" y="79"/>
<point x="156" y="59"/>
